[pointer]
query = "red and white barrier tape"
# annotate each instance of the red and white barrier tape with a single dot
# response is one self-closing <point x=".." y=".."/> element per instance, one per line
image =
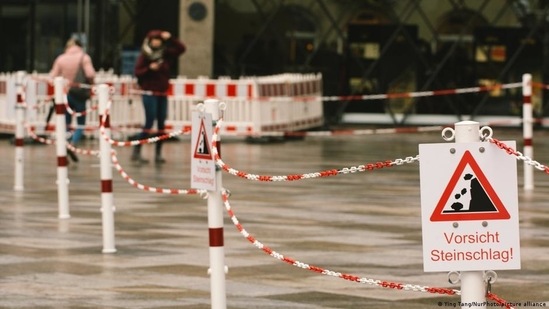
<point x="327" y="272"/>
<point x="540" y="85"/>
<point x="419" y="94"/>
<point x="139" y="186"/>
<point x="329" y="133"/>
<point x="396" y="130"/>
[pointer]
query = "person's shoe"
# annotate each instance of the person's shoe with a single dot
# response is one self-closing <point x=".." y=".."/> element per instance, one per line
<point x="159" y="160"/>
<point x="139" y="159"/>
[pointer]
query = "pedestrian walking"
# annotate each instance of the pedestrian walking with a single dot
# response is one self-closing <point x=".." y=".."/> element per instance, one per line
<point x="76" y="67"/>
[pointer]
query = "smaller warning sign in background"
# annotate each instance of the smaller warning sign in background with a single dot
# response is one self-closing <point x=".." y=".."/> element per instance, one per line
<point x="202" y="160"/>
<point x="469" y="207"/>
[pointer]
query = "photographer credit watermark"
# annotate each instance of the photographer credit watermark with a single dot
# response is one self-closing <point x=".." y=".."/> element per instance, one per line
<point x="521" y="304"/>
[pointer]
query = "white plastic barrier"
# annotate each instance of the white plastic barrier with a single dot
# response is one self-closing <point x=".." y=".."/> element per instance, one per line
<point x="8" y="99"/>
<point x="285" y="102"/>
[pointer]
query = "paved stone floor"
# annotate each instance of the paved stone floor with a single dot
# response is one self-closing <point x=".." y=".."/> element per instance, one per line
<point x="366" y="224"/>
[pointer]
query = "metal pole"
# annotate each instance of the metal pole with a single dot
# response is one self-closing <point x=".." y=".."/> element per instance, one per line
<point x="527" y="129"/>
<point x="19" y="131"/>
<point x="79" y="16"/>
<point x="107" y="208"/>
<point x="61" y="148"/>
<point x="87" y="24"/>
<point x="473" y="291"/>
<point x="215" y="225"/>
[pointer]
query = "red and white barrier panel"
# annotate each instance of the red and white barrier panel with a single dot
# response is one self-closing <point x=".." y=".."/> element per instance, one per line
<point x="247" y="112"/>
<point x="209" y="88"/>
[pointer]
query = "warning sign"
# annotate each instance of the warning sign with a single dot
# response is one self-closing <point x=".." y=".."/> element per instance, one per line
<point x="202" y="147"/>
<point x="469" y="195"/>
<point x="202" y="161"/>
<point x="469" y="207"/>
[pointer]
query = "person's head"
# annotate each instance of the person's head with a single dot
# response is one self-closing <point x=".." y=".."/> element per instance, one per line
<point x="73" y="42"/>
<point x="154" y="45"/>
<point x="156" y="42"/>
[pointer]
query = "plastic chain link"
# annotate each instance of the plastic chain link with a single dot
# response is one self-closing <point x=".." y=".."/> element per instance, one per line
<point x="150" y="140"/>
<point x="325" y="173"/>
<point x="327" y="272"/>
<point x="131" y="181"/>
<point x="71" y="147"/>
<point x="519" y="155"/>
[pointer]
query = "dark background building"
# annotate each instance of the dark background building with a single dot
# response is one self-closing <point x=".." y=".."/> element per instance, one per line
<point x="360" y="46"/>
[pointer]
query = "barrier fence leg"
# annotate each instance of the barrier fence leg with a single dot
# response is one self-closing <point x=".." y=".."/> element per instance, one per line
<point x="473" y="291"/>
<point x="107" y="208"/>
<point x="527" y="130"/>
<point x="61" y="148"/>
<point x="19" y="132"/>
<point x="215" y="225"/>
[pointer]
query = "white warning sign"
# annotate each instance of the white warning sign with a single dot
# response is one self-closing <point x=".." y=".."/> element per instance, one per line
<point x="202" y="161"/>
<point x="469" y="207"/>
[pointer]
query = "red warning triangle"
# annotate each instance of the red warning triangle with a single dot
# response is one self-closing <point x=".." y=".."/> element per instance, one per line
<point x="202" y="148"/>
<point x="484" y="203"/>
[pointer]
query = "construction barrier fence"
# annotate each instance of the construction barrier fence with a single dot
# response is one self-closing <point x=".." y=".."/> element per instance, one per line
<point x="284" y="102"/>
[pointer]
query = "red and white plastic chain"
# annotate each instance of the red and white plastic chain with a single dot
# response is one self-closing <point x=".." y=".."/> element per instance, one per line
<point x="37" y="138"/>
<point x="87" y="111"/>
<point x="375" y="282"/>
<point x="519" y="155"/>
<point x="325" y="173"/>
<point x="69" y="146"/>
<point x="88" y="152"/>
<point x="134" y="183"/>
<point x="79" y="114"/>
<point x="149" y="140"/>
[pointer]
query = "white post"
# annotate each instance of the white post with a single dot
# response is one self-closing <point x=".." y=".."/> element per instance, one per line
<point x="61" y="148"/>
<point x="215" y="226"/>
<point x="107" y="208"/>
<point x="527" y="130"/>
<point x="473" y="290"/>
<point x="19" y="131"/>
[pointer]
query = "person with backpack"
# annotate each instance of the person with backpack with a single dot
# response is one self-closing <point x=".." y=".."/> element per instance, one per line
<point x="71" y="64"/>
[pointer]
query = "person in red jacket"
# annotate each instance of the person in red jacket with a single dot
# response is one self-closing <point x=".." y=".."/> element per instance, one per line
<point x="159" y="52"/>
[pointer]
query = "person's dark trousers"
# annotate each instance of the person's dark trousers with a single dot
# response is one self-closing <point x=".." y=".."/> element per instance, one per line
<point x="156" y="109"/>
<point x="77" y="106"/>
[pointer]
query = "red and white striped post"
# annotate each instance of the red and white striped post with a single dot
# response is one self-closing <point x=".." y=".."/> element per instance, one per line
<point x="473" y="290"/>
<point x="61" y="148"/>
<point x="215" y="227"/>
<point x="527" y="129"/>
<point x="107" y="207"/>
<point x="19" y="131"/>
